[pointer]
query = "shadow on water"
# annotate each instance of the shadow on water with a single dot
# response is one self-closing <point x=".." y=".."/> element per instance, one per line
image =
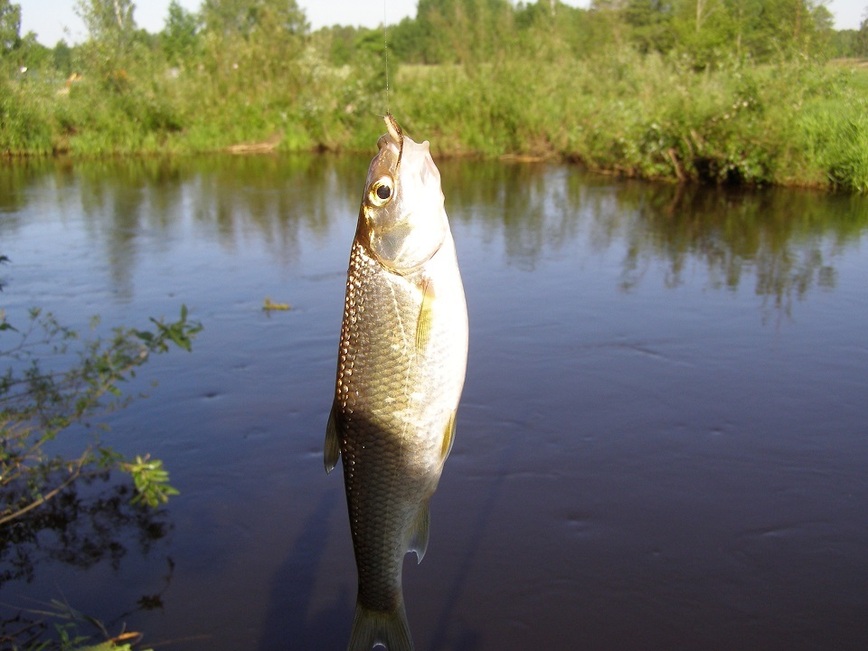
<point x="450" y="633"/>
<point x="289" y="623"/>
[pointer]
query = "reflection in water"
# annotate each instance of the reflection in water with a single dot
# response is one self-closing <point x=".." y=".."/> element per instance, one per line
<point x="87" y="524"/>
<point x="786" y="240"/>
<point x="79" y="530"/>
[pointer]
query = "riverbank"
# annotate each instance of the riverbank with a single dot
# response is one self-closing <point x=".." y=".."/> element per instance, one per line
<point x="646" y="116"/>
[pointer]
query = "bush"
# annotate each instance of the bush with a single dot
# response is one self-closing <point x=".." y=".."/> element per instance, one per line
<point x="55" y="381"/>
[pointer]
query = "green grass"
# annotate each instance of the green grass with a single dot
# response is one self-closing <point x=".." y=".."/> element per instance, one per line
<point x="646" y="116"/>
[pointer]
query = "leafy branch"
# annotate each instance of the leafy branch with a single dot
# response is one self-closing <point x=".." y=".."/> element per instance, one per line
<point x="54" y="381"/>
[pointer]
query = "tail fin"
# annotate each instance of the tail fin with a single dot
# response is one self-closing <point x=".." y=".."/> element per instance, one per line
<point x="372" y="627"/>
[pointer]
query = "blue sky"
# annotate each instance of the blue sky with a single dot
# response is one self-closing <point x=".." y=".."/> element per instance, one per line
<point x="56" y="19"/>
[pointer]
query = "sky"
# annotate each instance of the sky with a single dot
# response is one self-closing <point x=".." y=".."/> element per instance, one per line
<point x="53" y="20"/>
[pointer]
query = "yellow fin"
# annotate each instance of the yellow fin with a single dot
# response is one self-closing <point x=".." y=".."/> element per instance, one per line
<point x="448" y="437"/>
<point x="426" y="315"/>
<point x="332" y="447"/>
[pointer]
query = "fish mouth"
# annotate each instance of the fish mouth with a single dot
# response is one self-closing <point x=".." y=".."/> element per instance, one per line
<point x="397" y="135"/>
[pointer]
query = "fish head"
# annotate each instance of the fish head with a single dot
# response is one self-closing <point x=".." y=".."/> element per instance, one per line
<point x="402" y="221"/>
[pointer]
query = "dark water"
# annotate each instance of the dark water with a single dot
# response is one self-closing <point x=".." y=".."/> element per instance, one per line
<point x="663" y="442"/>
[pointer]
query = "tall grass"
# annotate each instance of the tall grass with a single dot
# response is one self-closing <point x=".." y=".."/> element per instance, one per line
<point x="649" y="117"/>
<point x="24" y="120"/>
<point x="796" y="123"/>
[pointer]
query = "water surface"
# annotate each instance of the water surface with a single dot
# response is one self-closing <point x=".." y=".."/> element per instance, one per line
<point x="662" y="442"/>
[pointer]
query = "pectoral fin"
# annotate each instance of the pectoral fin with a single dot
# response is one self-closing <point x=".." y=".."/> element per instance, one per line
<point x="426" y="314"/>
<point x="448" y="437"/>
<point x="332" y="447"/>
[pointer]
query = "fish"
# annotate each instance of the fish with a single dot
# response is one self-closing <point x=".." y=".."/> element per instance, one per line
<point x="401" y="365"/>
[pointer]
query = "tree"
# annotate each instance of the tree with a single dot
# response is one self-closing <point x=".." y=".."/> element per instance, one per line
<point x="553" y="29"/>
<point x="107" y="20"/>
<point x="703" y="31"/>
<point x="744" y="17"/>
<point x="823" y="28"/>
<point x="10" y="26"/>
<point x="62" y="57"/>
<point x="244" y="17"/>
<point x="651" y="22"/>
<point x="861" y="44"/>
<point x="779" y="27"/>
<point x="180" y="38"/>
<point x="228" y="17"/>
<point x="252" y="43"/>
<point x="112" y="31"/>
<point x="463" y="31"/>
<point x="405" y="41"/>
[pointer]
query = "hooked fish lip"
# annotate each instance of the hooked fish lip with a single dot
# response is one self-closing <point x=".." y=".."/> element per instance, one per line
<point x="397" y="135"/>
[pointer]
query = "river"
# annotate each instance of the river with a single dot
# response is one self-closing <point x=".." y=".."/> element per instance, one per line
<point x="662" y="444"/>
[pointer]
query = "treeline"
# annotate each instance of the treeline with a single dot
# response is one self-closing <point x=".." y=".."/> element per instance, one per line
<point x="716" y="90"/>
<point x="705" y="31"/>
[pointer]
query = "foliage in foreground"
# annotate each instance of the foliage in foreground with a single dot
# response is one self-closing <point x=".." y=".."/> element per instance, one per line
<point x="55" y="385"/>
<point x="25" y="632"/>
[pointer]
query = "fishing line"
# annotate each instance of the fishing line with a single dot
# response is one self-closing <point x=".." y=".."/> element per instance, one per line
<point x="386" y="57"/>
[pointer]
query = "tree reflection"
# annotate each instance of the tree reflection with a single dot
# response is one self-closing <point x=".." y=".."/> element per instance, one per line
<point x="80" y="531"/>
<point x="90" y="522"/>
<point x="17" y="178"/>
<point x="786" y="241"/>
<point x="277" y="198"/>
<point x="524" y="204"/>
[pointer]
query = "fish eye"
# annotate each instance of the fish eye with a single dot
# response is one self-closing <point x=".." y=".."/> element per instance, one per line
<point x="381" y="191"/>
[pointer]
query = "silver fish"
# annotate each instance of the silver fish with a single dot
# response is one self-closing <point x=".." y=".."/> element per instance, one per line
<point x="401" y="364"/>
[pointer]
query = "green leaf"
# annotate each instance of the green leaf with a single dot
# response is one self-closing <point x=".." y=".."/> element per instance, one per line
<point x="106" y="646"/>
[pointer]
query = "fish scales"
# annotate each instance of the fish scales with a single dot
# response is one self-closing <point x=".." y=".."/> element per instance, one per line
<point x="380" y="343"/>
<point x="401" y="363"/>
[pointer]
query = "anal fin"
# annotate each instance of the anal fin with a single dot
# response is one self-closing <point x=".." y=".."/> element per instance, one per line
<point x="419" y="536"/>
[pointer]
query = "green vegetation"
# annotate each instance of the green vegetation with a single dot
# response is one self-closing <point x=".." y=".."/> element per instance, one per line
<point x="53" y="388"/>
<point x="55" y="384"/>
<point x="70" y="627"/>
<point x="723" y="91"/>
